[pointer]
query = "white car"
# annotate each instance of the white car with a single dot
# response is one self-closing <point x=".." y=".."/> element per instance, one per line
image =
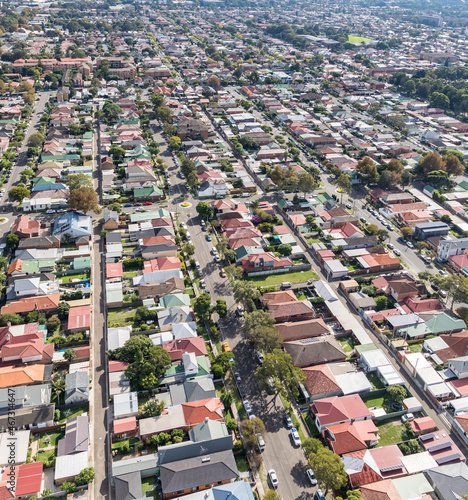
<point x="407" y="418"/>
<point x="217" y="259"/>
<point x="214" y="251"/>
<point x="260" y="357"/>
<point x="273" y="478"/>
<point x="295" y="437"/>
<point x="390" y="245"/>
<point x="409" y="244"/>
<point x="397" y="252"/>
<point x="247" y="407"/>
<point x="311" y="476"/>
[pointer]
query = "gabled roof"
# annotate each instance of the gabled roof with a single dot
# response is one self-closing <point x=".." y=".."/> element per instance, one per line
<point x="320" y="380"/>
<point x="336" y="409"/>
<point x="197" y="411"/>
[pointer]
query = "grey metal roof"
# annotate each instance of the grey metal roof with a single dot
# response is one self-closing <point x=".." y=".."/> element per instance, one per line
<point x="449" y="481"/>
<point x="76" y="436"/>
<point x="128" y="486"/>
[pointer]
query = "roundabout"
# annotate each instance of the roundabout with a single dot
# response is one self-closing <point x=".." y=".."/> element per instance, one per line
<point x="185" y="204"/>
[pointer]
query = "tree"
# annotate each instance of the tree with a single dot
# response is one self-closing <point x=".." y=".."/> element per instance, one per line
<point x="284" y="249"/>
<point x="307" y="183"/>
<point x="431" y="162"/>
<point x="152" y="408"/>
<point x="69" y="354"/>
<point x="174" y="143"/>
<point x="446" y="218"/>
<point x="382" y="234"/>
<point x="407" y="232"/>
<point x="85" y="199"/>
<point x="213" y="82"/>
<point x="397" y="393"/>
<point x="270" y="495"/>
<point x="68" y="487"/>
<point x="18" y="194"/>
<point x="164" y="114"/>
<point x="11" y="242"/>
<point x="439" y="100"/>
<point x="222" y="364"/>
<point x="245" y="291"/>
<point x="311" y="446"/>
<point x="117" y="153"/>
<point x="111" y="111"/>
<point x="276" y="175"/>
<point x="278" y="365"/>
<point x="380" y="303"/>
<point x="63" y="309"/>
<point x="76" y="181"/>
<point x="329" y="469"/>
<point x="463" y="313"/>
<point x="389" y="178"/>
<point x="204" y="210"/>
<point x="86" y="476"/>
<point x="157" y="100"/>
<point x="367" y="171"/>
<point x="372" y="229"/>
<point x="147" y="362"/>
<point x="202" y="305"/>
<point x="453" y="165"/>
<point x="344" y="183"/>
<point x="36" y="140"/>
<point x="221" y="308"/>
<point x="249" y="428"/>
<point x="58" y="382"/>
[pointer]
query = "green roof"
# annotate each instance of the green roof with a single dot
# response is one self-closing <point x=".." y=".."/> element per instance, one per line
<point x="429" y="188"/>
<point x="82" y="263"/>
<point x="364" y="348"/>
<point x="59" y="157"/>
<point x="150" y="215"/>
<point x="39" y="181"/>
<point x="173" y="300"/>
<point x="87" y="135"/>
<point x="464" y="185"/>
<point x="282" y="203"/>
<point x="146" y="191"/>
<point x="414" y="331"/>
<point x="178" y="368"/>
<point x="442" y="323"/>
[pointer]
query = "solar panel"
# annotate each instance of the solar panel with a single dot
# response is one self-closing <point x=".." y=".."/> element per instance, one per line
<point x="426" y="437"/>
<point x="439" y="447"/>
<point x="391" y="468"/>
<point x="448" y="458"/>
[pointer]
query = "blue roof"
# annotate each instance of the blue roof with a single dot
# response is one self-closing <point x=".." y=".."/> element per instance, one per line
<point x="74" y="223"/>
<point x="238" y="490"/>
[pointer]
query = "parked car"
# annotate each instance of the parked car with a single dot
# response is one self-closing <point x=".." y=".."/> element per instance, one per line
<point x="214" y="251"/>
<point x="237" y="377"/>
<point x="319" y="495"/>
<point x="407" y="418"/>
<point x="137" y="204"/>
<point x="409" y="244"/>
<point x="148" y="203"/>
<point x="295" y="437"/>
<point x="222" y="273"/>
<point x="273" y="478"/>
<point x="247" y="407"/>
<point x="311" y="476"/>
<point x="128" y="205"/>
<point x="390" y="245"/>
<point x="226" y="347"/>
<point x="208" y="237"/>
<point x="139" y="209"/>
<point x="241" y="390"/>
<point x="260" y="357"/>
<point x="288" y="421"/>
<point x="397" y="252"/>
<point x="217" y="259"/>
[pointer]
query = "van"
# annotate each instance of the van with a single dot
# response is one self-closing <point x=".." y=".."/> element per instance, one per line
<point x="260" y="442"/>
<point x="245" y="195"/>
<point x="285" y="285"/>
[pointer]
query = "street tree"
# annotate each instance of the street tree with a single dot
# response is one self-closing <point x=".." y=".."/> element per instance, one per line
<point x="389" y="178"/>
<point x="367" y="170"/>
<point x="163" y="113"/>
<point x="86" y="476"/>
<point x="111" y="111"/>
<point x="221" y="308"/>
<point x="202" y="305"/>
<point x="407" y="232"/>
<point x="245" y="291"/>
<point x="278" y="365"/>
<point x="204" y="210"/>
<point x="382" y="234"/>
<point x="11" y="242"/>
<point x="84" y="199"/>
<point x="213" y="82"/>
<point x="311" y="446"/>
<point x="344" y="183"/>
<point x="249" y="428"/>
<point x="18" y="194"/>
<point x="174" y="143"/>
<point x="431" y="162"/>
<point x="36" y="140"/>
<point x="329" y="469"/>
<point x="75" y="181"/>
<point x="372" y="229"/>
<point x="307" y="183"/>
<point x="157" y="100"/>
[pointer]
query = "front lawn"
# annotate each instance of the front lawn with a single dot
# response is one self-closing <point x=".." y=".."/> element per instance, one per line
<point x="390" y="432"/>
<point x="242" y="463"/>
<point x="277" y="279"/>
<point x="130" y="274"/>
<point x="311" y="425"/>
<point x="120" y="316"/>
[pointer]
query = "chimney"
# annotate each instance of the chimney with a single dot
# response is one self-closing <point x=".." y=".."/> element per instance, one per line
<point x="8" y="323"/>
<point x="206" y="420"/>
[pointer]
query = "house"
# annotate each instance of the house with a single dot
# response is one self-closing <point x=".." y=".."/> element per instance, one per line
<point x="27" y="481"/>
<point x="450" y="482"/>
<point x="336" y="410"/>
<point x="126" y="405"/>
<point x="25" y="344"/>
<point x="160" y="289"/>
<point x="441" y="447"/>
<point x="67" y="467"/>
<point x="79" y="319"/>
<point x="11" y="376"/>
<point x="128" y="486"/>
<point x="117" y="336"/>
<point x="459" y="366"/>
<point x="297" y="310"/>
<point x="320" y="382"/>
<point x="76" y="436"/>
<point x="448" y="248"/>
<point x="43" y="303"/>
<point x="297" y="330"/>
<point x="183" y="476"/>
<point x="125" y="427"/>
<point x="190" y="391"/>
<point x="265" y="261"/>
<point x="314" y="351"/>
<point x="429" y="229"/>
<point x="238" y="490"/>
<point x="76" y="387"/>
<point x="351" y="436"/>
<point x="74" y="224"/>
<point x="111" y="220"/>
<point x="24" y="227"/>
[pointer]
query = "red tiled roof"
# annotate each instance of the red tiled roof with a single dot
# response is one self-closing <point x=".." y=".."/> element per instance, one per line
<point x="161" y="264"/>
<point x="381" y="490"/>
<point x="422" y="424"/>
<point x="418" y="306"/>
<point x="281" y="296"/>
<point x="197" y="411"/>
<point x="176" y="348"/>
<point x="458" y="346"/>
<point x="28" y="478"/>
<point x="125" y="425"/>
<point x="28" y="304"/>
<point x="336" y="409"/>
<point x="114" y="269"/>
<point x="320" y="380"/>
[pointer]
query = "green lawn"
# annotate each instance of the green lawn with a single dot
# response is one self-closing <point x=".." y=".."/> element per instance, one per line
<point x="311" y="425"/>
<point x="72" y="412"/>
<point x="347" y="343"/>
<point x="121" y="444"/>
<point x="130" y="274"/>
<point x="66" y="279"/>
<point x="357" y="39"/>
<point x="47" y="439"/>
<point x="277" y="279"/>
<point x="374" y="402"/>
<point x="313" y="240"/>
<point x="374" y="380"/>
<point x="390" y="432"/>
<point x="146" y="484"/>
<point x="416" y="347"/>
<point x="120" y="316"/>
<point x="44" y="456"/>
<point x="242" y="464"/>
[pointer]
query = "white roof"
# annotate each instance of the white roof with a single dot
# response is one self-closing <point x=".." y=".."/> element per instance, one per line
<point x="335" y="266"/>
<point x="69" y="466"/>
<point x="390" y="375"/>
<point x="125" y="404"/>
<point x="439" y="390"/>
<point x="418" y="462"/>
<point x="375" y="358"/>
<point x="435" y="344"/>
<point x="116" y="337"/>
<point x="362" y="336"/>
<point x="21" y="446"/>
<point x="324" y="290"/>
<point x="352" y="383"/>
<point x="417" y="360"/>
<point x="412" y="487"/>
<point x="184" y="330"/>
<point x="412" y="404"/>
<point x="159" y="338"/>
<point x="428" y="375"/>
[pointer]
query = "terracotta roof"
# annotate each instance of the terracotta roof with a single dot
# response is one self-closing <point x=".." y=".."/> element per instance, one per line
<point x="458" y="346"/>
<point x="291" y="309"/>
<point x="282" y="296"/>
<point x="463" y="421"/>
<point x="21" y="375"/>
<point x="42" y="303"/>
<point x="79" y="317"/>
<point x="114" y="270"/>
<point x="320" y="380"/>
<point x="381" y="490"/>
<point x="344" y="438"/>
<point x="176" y="348"/>
<point x="422" y="424"/>
<point x="117" y="366"/>
<point x="161" y="264"/>
<point x="197" y="411"/>
<point x="16" y="265"/>
<point x="425" y="305"/>
<point x="125" y="425"/>
<point x="295" y="330"/>
<point x="28" y="478"/>
<point x="336" y="409"/>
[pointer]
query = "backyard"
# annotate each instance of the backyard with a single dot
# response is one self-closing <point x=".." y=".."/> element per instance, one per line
<point x="277" y="279"/>
<point x="146" y="484"/>
<point x="49" y="439"/>
<point x="67" y="279"/>
<point x="391" y="432"/>
<point x="120" y="316"/>
<point x="72" y="412"/>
